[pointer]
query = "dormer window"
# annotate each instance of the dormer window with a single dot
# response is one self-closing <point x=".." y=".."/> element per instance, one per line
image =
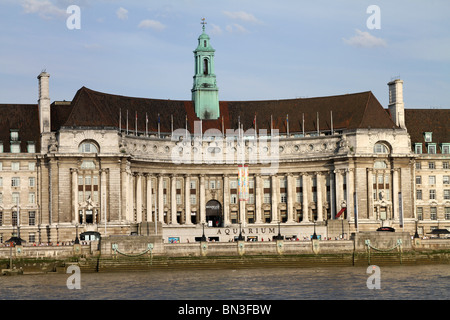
<point x="31" y="147"/>
<point x="445" y="148"/>
<point x="14" y="135"/>
<point x="432" y="148"/>
<point x="418" y="148"/>
<point x="88" y="147"/>
<point x="428" y="136"/>
<point x="204" y="43"/>
<point x="380" y="148"/>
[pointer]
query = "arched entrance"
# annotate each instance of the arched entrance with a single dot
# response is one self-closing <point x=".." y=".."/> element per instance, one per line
<point x="214" y="213"/>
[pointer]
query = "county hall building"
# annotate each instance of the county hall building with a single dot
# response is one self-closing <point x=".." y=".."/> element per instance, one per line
<point x="112" y="164"/>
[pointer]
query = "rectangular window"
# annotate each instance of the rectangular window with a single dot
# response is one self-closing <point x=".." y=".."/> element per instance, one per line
<point x="431" y="165"/>
<point x="15" y="198"/>
<point x="15" y="166"/>
<point x="445" y="165"/>
<point x="266" y="183"/>
<point x="445" y="148"/>
<point x="1" y="182"/>
<point x="31" y="148"/>
<point x="193" y="199"/>
<point x="432" y="180"/>
<point x="31" y="166"/>
<point x="193" y="184"/>
<point x="428" y="136"/>
<point x="31" y="198"/>
<point x="418" y="165"/>
<point x="419" y="194"/>
<point x="212" y="184"/>
<point x="418" y="179"/>
<point x="446" y="194"/>
<point x="31" y="218"/>
<point x="420" y="213"/>
<point x="233" y="184"/>
<point x="1" y="198"/>
<point x="418" y="148"/>
<point x="283" y="197"/>
<point x="14" y="218"/>
<point x="432" y="194"/>
<point x="446" y="179"/>
<point x="251" y="198"/>
<point x="31" y="237"/>
<point x="15" y="148"/>
<point x="1" y="166"/>
<point x="266" y="197"/>
<point x="14" y="135"/>
<point x="233" y="198"/>
<point x="447" y="213"/>
<point x="432" y="148"/>
<point x="433" y="213"/>
<point x="15" y="182"/>
<point x="178" y="197"/>
<point x="31" y="182"/>
<point x="1" y="147"/>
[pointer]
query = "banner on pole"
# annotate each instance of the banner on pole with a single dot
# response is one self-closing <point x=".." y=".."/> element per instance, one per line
<point x="243" y="183"/>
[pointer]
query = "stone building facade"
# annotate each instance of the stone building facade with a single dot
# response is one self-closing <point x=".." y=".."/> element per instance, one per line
<point x="114" y="165"/>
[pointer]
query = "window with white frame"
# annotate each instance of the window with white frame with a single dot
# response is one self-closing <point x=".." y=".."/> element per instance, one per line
<point x="31" y="181"/>
<point x="432" y="194"/>
<point x="15" y="166"/>
<point x="420" y="213"/>
<point x="15" y="148"/>
<point x="380" y="148"/>
<point x="419" y="194"/>
<point x="31" y="198"/>
<point x="445" y="148"/>
<point x="445" y="165"/>
<point x="431" y="165"/>
<point x="446" y="179"/>
<point x="418" y="179"/>
<point x="88" y="147"/>
<point x="193" y="199"/>
<point x="431" y="180"/>
<point x="447" y="213"/>
<point x="433" y="213"/>
<point x="15" y="182"/>
<point x="14" y="135"/>
<point x="432" y="148"/>
<point x="233" y="198"/>
<point x="31" y="147"/>
<point x="418" y="148"/>
<point x="446" y="194"/>
<point x="31" y="166"/>
<point x="428" y="136"/>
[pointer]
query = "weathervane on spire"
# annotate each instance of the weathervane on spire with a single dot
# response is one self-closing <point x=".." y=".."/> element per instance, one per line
<point x="203" y="23"/>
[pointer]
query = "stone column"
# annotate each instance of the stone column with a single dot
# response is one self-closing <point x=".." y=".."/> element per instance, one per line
<point x="202" y="203"/>
<point x="149" y="199"/>
<point x="258" y="198"/>
<point x="370" y="193"/>
<point x="138" y="197"/>
<point x="160" y="200"/>
<point x="76" y="217"/>
<point x="319" y="204"/>
<point x="394" y="197"/>
<point x="306" y="191"/>
<point x="103" y="196"/>
<point x="332" y="195"/>
<point x="275" y="193"/>
<point x="226" y="199"/>
<point x="339" y="196"/>
<point x="350" y="202"/>
<point x="173" y="198"/>
<point x="187" y="199"/>
<point x="290" y="197"/>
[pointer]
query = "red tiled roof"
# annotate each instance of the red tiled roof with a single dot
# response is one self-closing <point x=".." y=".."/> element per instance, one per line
<point x="21" y="117"/>
<point x="419" y="121"/>
<point x="359" y="110"/>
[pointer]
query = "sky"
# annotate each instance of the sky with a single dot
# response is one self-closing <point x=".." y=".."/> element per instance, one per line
<point x="265" y="49"/>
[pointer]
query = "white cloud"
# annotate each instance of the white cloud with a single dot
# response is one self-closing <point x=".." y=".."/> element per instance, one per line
<point x="365" y="40"/>
<point x="151" y="24"/>
<point x="45" y="9"/>
<point x="236" y="28"/>
<point x="122" y="13"/>
<point x="215" y="30"/>
<point x="241" y="15"/>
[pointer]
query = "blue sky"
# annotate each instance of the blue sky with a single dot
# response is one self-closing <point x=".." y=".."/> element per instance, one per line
<point x="264" y="49"/>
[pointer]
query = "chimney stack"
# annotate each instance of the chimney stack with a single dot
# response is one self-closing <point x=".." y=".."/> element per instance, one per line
<point x="396" y="105"/>
<point x="44" y="102"/>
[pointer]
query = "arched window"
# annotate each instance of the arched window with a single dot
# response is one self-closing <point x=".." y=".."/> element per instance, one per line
<point x="88" y="147"/>
<point x="380" y="165"/>
<point x="205" y="66"/>
<point x="380" y="148"/>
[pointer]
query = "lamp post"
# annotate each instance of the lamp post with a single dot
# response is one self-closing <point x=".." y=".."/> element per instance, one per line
<point x="279" y="236"/>
<point x="77" y="241"/>
<point x="314" y="237"/>
<point x="203" y="238"/>
<point x="416" y="235"/>
<point x="241" y="237"/>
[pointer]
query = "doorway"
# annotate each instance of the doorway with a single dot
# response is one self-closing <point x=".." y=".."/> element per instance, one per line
<point x="214" y="215"/>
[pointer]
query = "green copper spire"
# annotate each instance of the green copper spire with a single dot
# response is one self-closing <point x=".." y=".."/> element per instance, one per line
<point x="205" y="93"/>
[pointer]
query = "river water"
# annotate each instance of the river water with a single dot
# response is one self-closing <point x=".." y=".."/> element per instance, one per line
<point x="321" y="283"/>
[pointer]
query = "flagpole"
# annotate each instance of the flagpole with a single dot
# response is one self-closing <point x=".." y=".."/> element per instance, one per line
<point x="171" y="123"/>
<point x="271" y="126"/>
<point x="287" y="124"/>
<point x="120" y="120"/>
<point x="318" y="130"/>
<point x="186" y="126"/>
<point x="127" y="121"/>
<point x="135" y="124"/>
<point x="223" y="129"/>
<point x="303" y="123"/>
<point x="159" y="128"/>
<point x="255" y="125"/>
<point x="146" y="124"/>
<point x="331" y="113"/>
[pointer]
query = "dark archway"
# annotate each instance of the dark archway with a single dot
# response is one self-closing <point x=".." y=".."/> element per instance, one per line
<point x="214" y="213"/>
